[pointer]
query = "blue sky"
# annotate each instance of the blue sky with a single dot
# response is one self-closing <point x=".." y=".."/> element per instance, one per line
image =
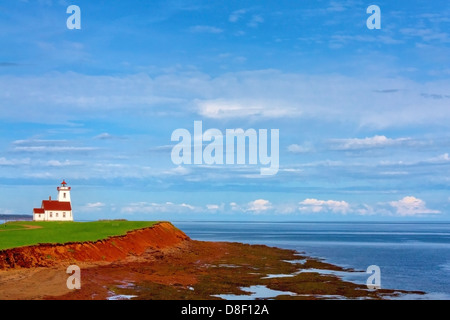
<point x="363" y="114"/>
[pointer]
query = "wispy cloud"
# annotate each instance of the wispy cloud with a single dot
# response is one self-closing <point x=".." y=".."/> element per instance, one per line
<point x="108" y="136"/>
<point x="426" y="34"/>
<point x="305" y="148"/>
<point x="92" y="207"/>
<point x="435" y="96"/>
<point x="54" y="149"/>
<point x="255" y="21"/>
<point x="221" y="108"/>
<point x="205" y="29"/>
<point x="57" y="163"/>
<point x="33" y="142"/>
<point x="14" y="162"/>
<point x="366" y="143"/>
<point x="153" y="207"/>
<point x="48" y="146"/>
<point x="235" y="16"/>
<point x="104" y="136"/>
<point x="440" y="159"/>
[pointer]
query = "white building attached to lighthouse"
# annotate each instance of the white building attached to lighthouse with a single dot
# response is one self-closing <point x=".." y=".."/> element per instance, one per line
<point x="55" y="210"/>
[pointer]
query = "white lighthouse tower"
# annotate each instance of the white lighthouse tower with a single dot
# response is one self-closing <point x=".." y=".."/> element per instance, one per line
<point x="63" y="192"/>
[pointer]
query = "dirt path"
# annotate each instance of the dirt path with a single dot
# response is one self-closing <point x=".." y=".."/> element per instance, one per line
<point x="35" y="283"/>
<point x="27" y="227"/>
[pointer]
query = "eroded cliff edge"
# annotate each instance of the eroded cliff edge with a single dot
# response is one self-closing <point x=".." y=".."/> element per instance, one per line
<point x="135" y="242"/>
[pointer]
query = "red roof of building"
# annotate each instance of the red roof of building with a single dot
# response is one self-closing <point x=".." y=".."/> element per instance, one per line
<point x="54" y="205"/>
<point x="38" y="210"/>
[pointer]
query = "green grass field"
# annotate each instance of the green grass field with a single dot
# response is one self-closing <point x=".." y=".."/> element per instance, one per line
<point x="18" y="233"/>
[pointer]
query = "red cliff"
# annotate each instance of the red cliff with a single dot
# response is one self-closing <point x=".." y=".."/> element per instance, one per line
<point x="136" y="242"/>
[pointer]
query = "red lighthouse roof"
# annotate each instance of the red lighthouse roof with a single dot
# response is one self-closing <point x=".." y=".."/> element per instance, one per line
<point x="63" y="183"/>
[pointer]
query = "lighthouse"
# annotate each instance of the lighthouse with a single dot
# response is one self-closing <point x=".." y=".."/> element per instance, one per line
<point x="56" y="210"/>
<point x="63" y="192"/>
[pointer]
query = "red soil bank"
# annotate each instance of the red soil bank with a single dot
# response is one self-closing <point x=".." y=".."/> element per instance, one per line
<point x="135" y="242"/>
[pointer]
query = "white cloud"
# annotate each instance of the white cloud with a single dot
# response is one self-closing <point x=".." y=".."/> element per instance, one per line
<point x="315" y="205"/>
<point x="426" y="34"/>
<point x="366" y="143"/>
<point x="54" y="149"/>
<point x="366" y="210"/>
<point x="167" y="207"/>
<point x="259" y="205"/>
<point x="222" y="108"/>
<point x="394" y="173"/>
<point x="215" y="207"/>
<point x="442" y="158"/>
<point x="205" y="29"/>
<point x="255" y="21"/>
<point x="295" y="148"/>
<point x="235" y="207"/>
<point x="40" y="175"/>
<point x="57" y="163"/>
<point x="39" y="142"/>
<point x="104" y="136"/>
<point x="14" y="162"/>
<point x="177" y="171"/>
<point x="338" y="41"/>
<point x="411" y="206"/>
<point x="235" y="16"/>
<point x="336" y="7"/>
<point x="93" y="206"/>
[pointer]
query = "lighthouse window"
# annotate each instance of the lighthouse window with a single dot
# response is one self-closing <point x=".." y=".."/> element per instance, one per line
<point x="64" y="195"/>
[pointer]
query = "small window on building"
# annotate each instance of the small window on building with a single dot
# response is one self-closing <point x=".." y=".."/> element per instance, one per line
<point x="39" y="216"/>
<point x="64" y="214"/>
<point x="57" y="214"/>
<point x="51" y="214"/>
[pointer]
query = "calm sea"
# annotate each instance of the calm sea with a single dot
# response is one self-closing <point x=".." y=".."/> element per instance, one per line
<point x="411" y="256"/>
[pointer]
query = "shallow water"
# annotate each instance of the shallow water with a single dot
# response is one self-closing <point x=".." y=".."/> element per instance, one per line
<point x="257" y="292"/>
<point x="411" y="256"/>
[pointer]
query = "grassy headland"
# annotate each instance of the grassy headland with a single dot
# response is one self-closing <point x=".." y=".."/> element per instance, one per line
<point x="26" y="233"/>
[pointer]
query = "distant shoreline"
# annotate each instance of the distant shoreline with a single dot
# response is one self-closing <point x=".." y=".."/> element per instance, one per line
<point x="12" y="217"/>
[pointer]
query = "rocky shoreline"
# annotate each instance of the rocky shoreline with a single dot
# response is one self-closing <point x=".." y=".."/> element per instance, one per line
<point x="162" y="263"/>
